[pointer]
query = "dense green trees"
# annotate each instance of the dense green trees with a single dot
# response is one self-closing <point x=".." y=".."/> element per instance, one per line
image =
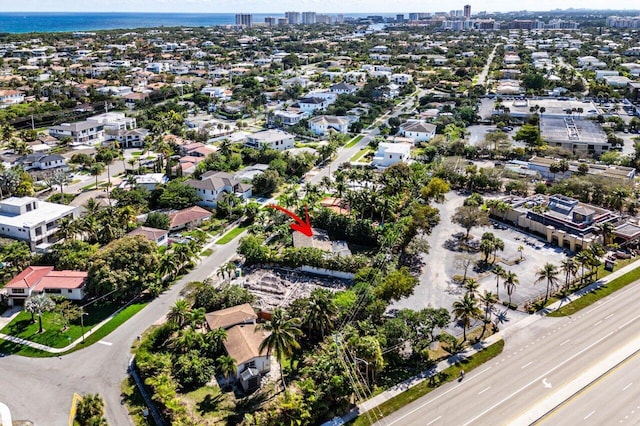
<point x="90" y="411"/>
<point x="125" y="268"/>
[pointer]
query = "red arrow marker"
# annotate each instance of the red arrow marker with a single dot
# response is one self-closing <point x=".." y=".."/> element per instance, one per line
<point x="301" y="226"/>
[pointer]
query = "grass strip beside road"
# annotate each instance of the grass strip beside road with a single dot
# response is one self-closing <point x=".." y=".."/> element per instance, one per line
<point x="597" y="294"/>
<point x="229" y="236"/>
<point x="354" y="141"/>
<point x="360" y="155"/>
<point x="426" y="386"/>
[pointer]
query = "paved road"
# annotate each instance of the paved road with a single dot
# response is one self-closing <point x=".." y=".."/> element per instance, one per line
<point x="482" y="77"/>
<point x="345" y="154"/>
<point x="41" y="390"/>
<point x="610" y="400"/>
<point x="537" y="359"/>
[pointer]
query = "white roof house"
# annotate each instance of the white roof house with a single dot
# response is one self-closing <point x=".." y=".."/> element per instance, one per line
<point x="33" y="221"/>
<point x="273" y="139"/>
<point x="321" y="124"/>
<point x="418" y="130"/>
<point x="389" y="154"/>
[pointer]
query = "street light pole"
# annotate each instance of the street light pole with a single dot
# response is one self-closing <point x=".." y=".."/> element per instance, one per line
<point x="82" y="323"/>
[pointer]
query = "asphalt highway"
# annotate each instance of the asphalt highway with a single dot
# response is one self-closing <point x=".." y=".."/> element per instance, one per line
<point x="549" y="354"/>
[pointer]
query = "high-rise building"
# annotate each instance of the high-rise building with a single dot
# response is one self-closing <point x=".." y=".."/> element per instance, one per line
<point x="400" y="18"/>
<point x="308" y="18"/>
<point x="244" y="19"/>
<point x="293" y="17"/>
<point x="282" y="21"/>
<point x="270" y="20"/>
<point x="467" y="11"/>
<point x="414" y="16"/>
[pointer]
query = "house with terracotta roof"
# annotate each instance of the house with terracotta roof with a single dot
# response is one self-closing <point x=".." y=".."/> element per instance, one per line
<point x="158" y="236"/>
<point x="243" y="343"/>
<point x="45" y="280"/>
<point x="188" y="218"/>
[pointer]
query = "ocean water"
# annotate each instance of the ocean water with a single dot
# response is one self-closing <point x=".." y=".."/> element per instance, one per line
<point x="26" y="22"/>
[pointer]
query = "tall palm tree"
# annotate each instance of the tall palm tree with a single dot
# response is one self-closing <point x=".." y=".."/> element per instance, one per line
<point x="320" y="313"/>
<point x="197" y="319"/>
<point x="570" y="267"/>
<point x="499" y="272"/>
<point x="464" y="311"/>
<point x="548" y="273"/>
<point x="583" y="258"/>
<point x="179" y="313"/>
<point x="227" y="367"/>
<point x="215" y="340"/>
<point x="488" y="300"/>
<point x="186" y="339"/>
<point x="38" y="305"/>
<point x="510" y="282"/>
<point x="281" y="340"/>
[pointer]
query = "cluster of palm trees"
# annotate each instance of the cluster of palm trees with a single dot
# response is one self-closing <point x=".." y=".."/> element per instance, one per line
<point x="98" y="224"/>
<point x="510" y="281"/>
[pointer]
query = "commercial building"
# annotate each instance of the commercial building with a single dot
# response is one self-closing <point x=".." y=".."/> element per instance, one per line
<point x="467" y="11"/>
<point x="33" y="221"/>
<point x="574" y="134"/>
<point x="561" y="220"/>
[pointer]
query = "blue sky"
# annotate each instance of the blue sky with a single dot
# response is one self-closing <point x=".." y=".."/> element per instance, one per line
<point x="330" y="6"/>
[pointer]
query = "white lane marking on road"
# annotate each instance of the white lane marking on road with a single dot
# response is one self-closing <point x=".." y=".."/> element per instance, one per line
<point x="527" y="364"/>
<point x="537" y="379"/>
<point x="598" y="323"/>
<point x="589" y="415"/>
<point x="484" y="390"/>
<point x="565" y="342"/>
<point x="608" y="316"/>
<point x="466" y="380"/>
<point x="434" y="420"/>
<point x="102" y="342"/>
<point x="627" y="387"/>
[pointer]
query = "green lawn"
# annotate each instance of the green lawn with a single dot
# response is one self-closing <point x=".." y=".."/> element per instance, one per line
<point x="358" y="156"/>
<point x="423" y="388"/>
<point x="23" y="327"/>
<point x="17" y="349"/>
<point x="231" y="235"/>
<point x="594" y="296"/>
<point x="354" y="141"/>
<point x="136" y="153"/>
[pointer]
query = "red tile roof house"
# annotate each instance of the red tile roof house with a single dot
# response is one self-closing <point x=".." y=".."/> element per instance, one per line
<point x="43" y="279"/>
<point x="188" y="218"/>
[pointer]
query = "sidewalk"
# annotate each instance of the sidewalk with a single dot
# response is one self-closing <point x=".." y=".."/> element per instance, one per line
<point x="443" y="365"/>
<point x="50" y="349"/>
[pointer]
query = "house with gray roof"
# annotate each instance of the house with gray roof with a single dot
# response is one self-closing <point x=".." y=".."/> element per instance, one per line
<point x="214" y="184"/>
<point x="418" y="130"/>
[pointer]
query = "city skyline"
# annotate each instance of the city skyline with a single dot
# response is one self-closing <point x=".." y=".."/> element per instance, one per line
<point x="326" y="6"/>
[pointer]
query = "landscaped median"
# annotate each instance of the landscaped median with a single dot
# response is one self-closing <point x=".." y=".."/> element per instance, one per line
<point x="354" y="141"/>
<point x="597" y="294"/>
<point x="445" y="376"/>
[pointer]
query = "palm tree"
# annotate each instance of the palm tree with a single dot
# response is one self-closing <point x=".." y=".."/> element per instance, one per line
<point x="520" y="250"/>
<point x="549" y="273"/>
<point x="320" y="312"/>
<point x="38" y="305"/>
<point x="570" y="268"/>
<point x="197" y="319"/>
<point x="96" y="170"/>
<point x="510" y="282"/>
<point x="179" y="313"/>
<point x="282" y="336"/>
<point x="464" y="311"/>
<point x="499" y="272"/>
<point x="215" y="339"/>
<point x="583" y="258"/>
<point x="227" y="367"/>
<point x="471" y="285"/>
<point x="488" y="299"/>
<point x="187" y="339"/>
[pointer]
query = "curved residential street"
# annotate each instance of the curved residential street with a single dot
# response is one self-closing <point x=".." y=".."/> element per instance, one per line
<point x="41" y="389"/>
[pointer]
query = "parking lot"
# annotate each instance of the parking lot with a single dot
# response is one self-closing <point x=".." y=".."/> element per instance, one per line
<point x="437" y="288"/>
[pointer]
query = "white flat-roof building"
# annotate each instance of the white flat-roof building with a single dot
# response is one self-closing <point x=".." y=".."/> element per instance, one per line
<point x="81" y="133"/>
<point x="273" y="139"/>
<point x="389" y="154"/>
<point x="114" y="121"/>
<point x="33" y="221"/>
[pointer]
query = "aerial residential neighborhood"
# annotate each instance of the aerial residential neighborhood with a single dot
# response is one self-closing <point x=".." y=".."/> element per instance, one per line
<point x="319" y="217"/>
